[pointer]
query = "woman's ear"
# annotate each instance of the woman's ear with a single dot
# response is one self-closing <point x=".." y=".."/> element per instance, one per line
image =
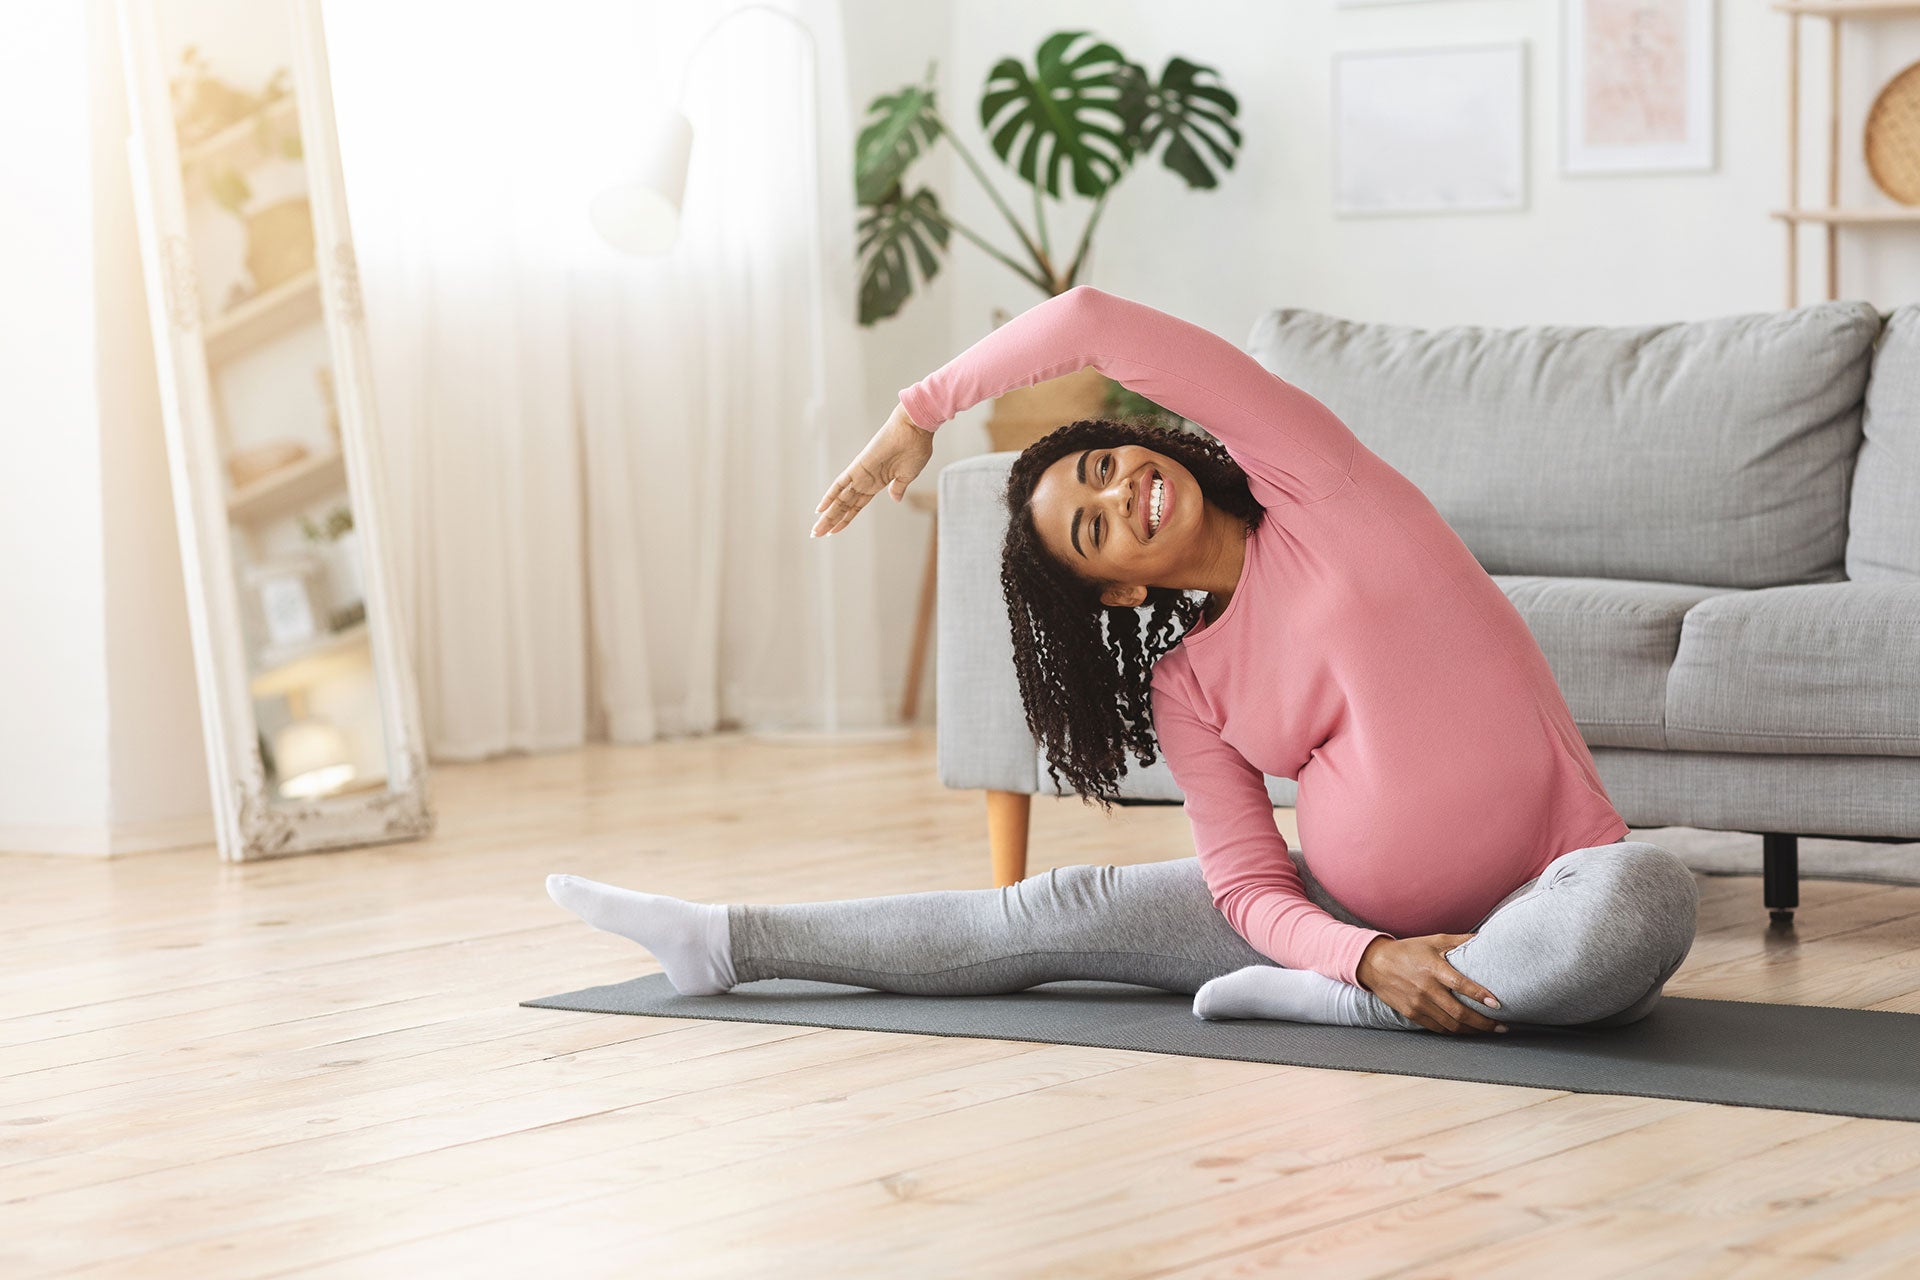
<point x="1124" y="597"/>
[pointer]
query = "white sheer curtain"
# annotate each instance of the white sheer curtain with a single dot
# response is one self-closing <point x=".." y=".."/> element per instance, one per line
<point x="600" y="472"/>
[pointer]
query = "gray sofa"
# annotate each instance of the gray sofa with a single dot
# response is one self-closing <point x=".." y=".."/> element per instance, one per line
<point x="1711" y="527"/>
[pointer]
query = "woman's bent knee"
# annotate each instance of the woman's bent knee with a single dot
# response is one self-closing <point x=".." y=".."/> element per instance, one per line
<point x="1617" y="921"/>
<point x="1647" y="893"/>
<point x="1666" y="897"/>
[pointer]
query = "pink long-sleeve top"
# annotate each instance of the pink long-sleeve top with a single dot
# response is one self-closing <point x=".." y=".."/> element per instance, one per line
<point x="1365" y="654"/>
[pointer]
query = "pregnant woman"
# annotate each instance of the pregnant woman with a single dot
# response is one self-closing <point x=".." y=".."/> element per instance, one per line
<point x="1469" y="871"/>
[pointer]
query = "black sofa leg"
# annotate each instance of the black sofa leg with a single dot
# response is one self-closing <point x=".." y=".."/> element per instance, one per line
<point x="1780" y="872"/>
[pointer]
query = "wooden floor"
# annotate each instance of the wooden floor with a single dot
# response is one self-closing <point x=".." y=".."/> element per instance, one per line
<point x="317" y="1066"/>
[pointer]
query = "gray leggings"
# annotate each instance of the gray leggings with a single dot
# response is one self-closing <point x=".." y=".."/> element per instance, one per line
<point x="1589" y="941"/>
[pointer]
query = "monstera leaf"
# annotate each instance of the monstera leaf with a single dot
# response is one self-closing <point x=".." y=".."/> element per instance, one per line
<point x="901" y="125"/>
<point x="1184" y="110"/>
<point x="1070" y="108"/>
<point x="1083" y="107"/>
<point x="887" y="230"/>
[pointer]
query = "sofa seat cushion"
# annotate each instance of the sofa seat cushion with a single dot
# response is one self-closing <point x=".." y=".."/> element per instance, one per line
<point x="1829" y="668"/>
<point x="1611" y="643"/>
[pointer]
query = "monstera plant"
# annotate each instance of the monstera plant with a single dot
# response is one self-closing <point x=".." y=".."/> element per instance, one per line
<point x="1083" y="114"/>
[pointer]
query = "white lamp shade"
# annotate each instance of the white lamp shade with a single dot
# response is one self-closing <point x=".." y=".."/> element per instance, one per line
<point x="642" y="215"/>
<point x="311" y="758"/>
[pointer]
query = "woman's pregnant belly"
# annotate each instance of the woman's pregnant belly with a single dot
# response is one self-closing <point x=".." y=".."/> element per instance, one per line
<point x="1416" y="833"/>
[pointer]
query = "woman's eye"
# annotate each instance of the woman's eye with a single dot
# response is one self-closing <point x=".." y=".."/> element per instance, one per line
<point x="1103" y="467"/>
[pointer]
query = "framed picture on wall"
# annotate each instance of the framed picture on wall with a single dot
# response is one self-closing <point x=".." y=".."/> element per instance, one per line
<point x="1439" y="130"/>
<point x="1637" y="86"/>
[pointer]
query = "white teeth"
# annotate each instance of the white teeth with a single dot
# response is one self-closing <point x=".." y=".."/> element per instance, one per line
<point x="1153" y="505"/>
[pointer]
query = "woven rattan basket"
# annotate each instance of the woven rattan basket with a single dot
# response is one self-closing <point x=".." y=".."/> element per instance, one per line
<point x="1893" y="137"/>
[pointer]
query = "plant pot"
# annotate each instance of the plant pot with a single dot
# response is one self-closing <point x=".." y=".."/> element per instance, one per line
<point x="1024" y="414"/>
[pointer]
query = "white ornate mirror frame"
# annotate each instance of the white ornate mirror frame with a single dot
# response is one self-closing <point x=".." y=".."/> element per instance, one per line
<point x="250" y="819"/>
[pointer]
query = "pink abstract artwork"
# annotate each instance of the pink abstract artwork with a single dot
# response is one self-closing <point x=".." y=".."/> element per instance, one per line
<point x="1636" y="72"/>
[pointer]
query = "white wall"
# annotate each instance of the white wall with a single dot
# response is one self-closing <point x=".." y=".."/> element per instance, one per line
<point x="100" y="744"/>
<point x="53" y="733"/>
<point x="157" y="764"/>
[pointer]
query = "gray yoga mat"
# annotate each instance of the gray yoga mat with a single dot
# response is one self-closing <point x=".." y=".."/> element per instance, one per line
<point x="1849" y="1062"/>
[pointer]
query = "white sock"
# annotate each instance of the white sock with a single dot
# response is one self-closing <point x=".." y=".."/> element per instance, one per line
<point x="1292" y="995"/>
<point x="690" y="939"/>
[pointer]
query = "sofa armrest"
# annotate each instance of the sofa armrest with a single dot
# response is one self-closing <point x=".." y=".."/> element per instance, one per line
<point x="981" y="727"/>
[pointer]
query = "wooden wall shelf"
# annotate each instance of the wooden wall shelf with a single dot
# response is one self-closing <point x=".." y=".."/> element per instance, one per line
<point x="1843" y="216"/>
<point x="328" y="656"/>
<point x="1847" y="8"/>
<point x="264" y="316"/>
<point x="289" y="487"/>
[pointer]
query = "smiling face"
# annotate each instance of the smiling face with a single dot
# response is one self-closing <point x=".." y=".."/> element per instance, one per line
<point x="1094" y="511"/>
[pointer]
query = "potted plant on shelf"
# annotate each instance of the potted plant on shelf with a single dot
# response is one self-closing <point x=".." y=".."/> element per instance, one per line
<point x="280" y="231"/>
<point x="1083" y="107"/>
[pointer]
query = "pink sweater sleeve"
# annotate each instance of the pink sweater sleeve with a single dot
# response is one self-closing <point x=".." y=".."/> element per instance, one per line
<point x="1292" y="447"/>
<point x="1242" y="853"/>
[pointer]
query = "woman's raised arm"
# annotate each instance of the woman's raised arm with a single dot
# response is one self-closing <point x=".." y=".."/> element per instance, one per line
<point x="1293" y="448"/>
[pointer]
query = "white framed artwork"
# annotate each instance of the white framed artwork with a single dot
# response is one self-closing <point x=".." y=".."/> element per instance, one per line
<point x="1637" y="86"/>
<point x="1438" y="130"/>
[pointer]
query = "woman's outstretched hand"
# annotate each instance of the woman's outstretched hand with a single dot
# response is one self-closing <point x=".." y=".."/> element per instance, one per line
<point x="1413" y="976"/>
<point x="895" y="455"/>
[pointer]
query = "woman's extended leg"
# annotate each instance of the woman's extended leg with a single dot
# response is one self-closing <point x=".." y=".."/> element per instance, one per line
<point x="1589" y="942"/>
<point x="1151" y="924"/>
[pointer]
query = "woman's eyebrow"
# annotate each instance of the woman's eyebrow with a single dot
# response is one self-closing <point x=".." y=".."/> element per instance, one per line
<point x="1073" y="531"/>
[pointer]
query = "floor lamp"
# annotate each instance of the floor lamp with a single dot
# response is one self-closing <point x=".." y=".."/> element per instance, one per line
<point x="642" y="216"/>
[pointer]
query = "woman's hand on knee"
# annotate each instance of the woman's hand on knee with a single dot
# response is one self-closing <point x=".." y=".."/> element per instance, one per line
<point x="1414" y="978"/>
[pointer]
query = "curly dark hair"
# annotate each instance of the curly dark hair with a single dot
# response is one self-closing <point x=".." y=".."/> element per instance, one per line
<point x="1084" y="667"/>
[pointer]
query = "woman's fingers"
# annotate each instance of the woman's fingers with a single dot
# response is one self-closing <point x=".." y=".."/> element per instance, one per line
<point x="1443" y="1018"/>
<point x="1422" y="1008"/>
<point x="1453" y="980"/>
<point x="835" y="519"/>
<point x="843" y="501"/>
<point x="1466" y="986"/>
<point x="1460" y="981"/>
<point x="895" y="455"/>
<point x="1459" y="1019"/>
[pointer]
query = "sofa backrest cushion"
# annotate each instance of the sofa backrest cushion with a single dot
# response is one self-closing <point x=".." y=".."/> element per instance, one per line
<point x="1716" y="452"/>
<point x="1883" y="541"/>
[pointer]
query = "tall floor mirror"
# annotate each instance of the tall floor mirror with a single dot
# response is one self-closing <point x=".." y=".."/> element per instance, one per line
<point x="306" y="690"/>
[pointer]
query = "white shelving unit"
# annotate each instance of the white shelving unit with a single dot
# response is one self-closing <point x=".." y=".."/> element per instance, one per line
<point x="1830" y="215"/>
